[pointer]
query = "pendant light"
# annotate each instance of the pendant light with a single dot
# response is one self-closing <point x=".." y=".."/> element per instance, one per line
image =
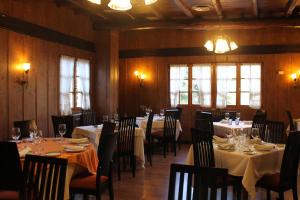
<point x="121" y="5"/>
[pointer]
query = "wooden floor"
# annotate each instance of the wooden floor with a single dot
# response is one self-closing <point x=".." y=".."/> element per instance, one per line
<point x="152" y="183"/>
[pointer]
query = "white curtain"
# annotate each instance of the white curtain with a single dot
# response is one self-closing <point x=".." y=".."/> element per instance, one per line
<point x="66" y="82"/>
<point x="83" y="83"/>
<point x="222" y="88"/>
<point x="202" y="82"/>
<point x="255" y="86"/>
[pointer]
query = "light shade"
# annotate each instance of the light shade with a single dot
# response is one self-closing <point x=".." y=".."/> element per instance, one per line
<point x="26" y="67"/>
<point x="148" y="2"/>
<point x="221" y="44"/>
<point x="209" y="45"/>
<point x="95" y="1"/>
<point x="120" y="5"/>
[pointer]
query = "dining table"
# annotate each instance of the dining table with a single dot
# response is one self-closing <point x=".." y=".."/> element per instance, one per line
<point x="250" y="165"/>
<point x="157" y="124"/>
<point x="81" y="155"/>
<point x="93" y="133"/>
<point x="223" y="128"/>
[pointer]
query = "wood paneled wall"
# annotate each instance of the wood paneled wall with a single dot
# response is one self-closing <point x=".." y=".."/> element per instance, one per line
<point x="278" y="94"/>
<point x="39" y="99"/>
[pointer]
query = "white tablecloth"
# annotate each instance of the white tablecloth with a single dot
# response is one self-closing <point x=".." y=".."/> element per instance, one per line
<point x="250" y="167"/>
<point x="94" y="133"/>
<point x="222" y="129"/>
<point x="158" y="124"/>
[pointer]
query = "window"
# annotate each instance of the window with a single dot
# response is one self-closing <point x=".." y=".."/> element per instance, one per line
<point x="201" y="85"/>
<point x="179" y="84"/>
<point x="74" y="84"/>
<point x="226" y="85"/>
<point x="250" y="85"/>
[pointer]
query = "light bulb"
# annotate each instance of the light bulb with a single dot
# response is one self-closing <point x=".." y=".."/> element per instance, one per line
<point x="26" y="67"/>
<point x="148" y="2"/>
<point x="121" y="5"/>
<point x="209" y="45"/>
<point x="95" y="1"/>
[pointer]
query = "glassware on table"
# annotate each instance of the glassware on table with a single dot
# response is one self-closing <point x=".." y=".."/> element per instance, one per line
<point x="116" y="117"/>
<point x="238" y="116"/>
<point x="147" y="110"/>
<point x="255" y="133"/>
<point x="162" y="112"/>
<point x="105" y="118"/>
<point x="16" y="133"/>
<point x="227" y="116"/>
<point x="62" y="131"/>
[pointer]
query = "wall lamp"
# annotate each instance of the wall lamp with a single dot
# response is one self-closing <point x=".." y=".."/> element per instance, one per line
<point x="141" y="77"/>
<point x="25" y="69"/>
<point x="295" y="77"/>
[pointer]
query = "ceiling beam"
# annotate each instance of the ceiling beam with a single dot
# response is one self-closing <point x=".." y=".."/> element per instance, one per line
<point x="218" y="8"/>
<point x="290" y="6"/>
<point x="155" y="12"/>
<point x="200" y="24"/>
<point x="182" y="6"/>
<point x="255" y="8"/>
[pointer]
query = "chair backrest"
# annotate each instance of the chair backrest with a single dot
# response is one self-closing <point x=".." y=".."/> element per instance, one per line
<point x="88" y="117"/>
<point x="68" y="120"/>
<point x="10" y="167"/>
<point x="259" y="121"/>
<point x="170" y="124"/>
<point x="274" y="132"/>
<point x="126" y="135"/>
<point x="205" y="125"/>
<point x="290" y="160"/>
<point x="209" y="181"/>
<point x="217" y="115"/>
<point x="292" y="125"/>
<point x="37" y="184"/>
<point x="25" y="127"/>
<point x="181" y="183"/>
<point x="184" y="177"/>
<point x="107" y="145"/>
<point x="203" y="148"/>
<point x="179" y="112"/>
<point x="108" y="128"/>
<point x="149" y="126"/>
<point x="232" y="114"/>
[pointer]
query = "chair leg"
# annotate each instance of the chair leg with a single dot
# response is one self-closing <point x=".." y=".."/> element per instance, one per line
<point x="133" y="165"/>
<point x="295" y="193"/>
<point x="119" y="168"/>
<point x="165" y="146"/>
<point x="111" y="190"/>
<point x="150" y="155"/>
<point x="175" y="147"/>
<point x="281" y="195"/>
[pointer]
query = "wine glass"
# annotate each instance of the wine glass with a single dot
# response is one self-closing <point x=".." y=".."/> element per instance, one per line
<point x="238" y="116"/>
<point x="62" y="131"/>
<point x="255" y="133"/>
<point x="147" y="111"/>
<point x="16" y="133"/>
<point x="227" y="116"/>
<point x="116" y="117"/>
<point x="105" y="118"/>
<point x="162" y="112"/>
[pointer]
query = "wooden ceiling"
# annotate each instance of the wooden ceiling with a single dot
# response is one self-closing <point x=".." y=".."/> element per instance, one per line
<point x="227" y="14"/>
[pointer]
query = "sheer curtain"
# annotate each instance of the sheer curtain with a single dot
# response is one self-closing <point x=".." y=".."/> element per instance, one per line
<point x="66" y="81"/>
<point x="201" y="84"/>
<point x="255" y="86"/>
<point x="221" y="86"/>
<point x="83" y="83"/>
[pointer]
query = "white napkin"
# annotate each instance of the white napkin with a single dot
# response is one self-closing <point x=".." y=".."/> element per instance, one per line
<point x="24" y="151"/>
<point x="73" y="147"/>
<point x="255" y="141"/>
<point x="226" y="146"/>
<point x="220" y="140"/>
<point x="79" y="140"/>
<point x="264" y="147"/>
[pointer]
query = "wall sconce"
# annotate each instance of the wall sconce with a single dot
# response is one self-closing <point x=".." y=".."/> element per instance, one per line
<point x="295" y="77"/>
<point x="26" y="69"/>
<point x="141" y="77"/>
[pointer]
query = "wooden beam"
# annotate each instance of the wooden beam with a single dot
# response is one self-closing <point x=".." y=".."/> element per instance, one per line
<point x="201" y="51"/>
<point x="218" y="8"/>
<point x="290" y="6"/>
<point x="200" y="24"/>
<point x="255" y="8"/>
<point x="182" y="6"/>
<point x="27" y="28"/>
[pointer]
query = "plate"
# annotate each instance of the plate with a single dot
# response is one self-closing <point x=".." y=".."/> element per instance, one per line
<point x="83" y="145"/>
<point x="249" y="152"/>
<point x="73" y="150"/>
<point x="52" y="154"/>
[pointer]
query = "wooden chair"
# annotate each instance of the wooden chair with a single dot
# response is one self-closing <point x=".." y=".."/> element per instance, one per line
<point x="259" y="121"/>
<point x="97" y="184"/>
<point x="217" y="115"/>
<point x="68" y="120"/>
<point x="274" y="132"/>
<point x="291" y="121"/>
<point x="184" y="177"/>
<point x="25" y="127"/>
<point x="10" y="171"/>
<point x="148" y="142"/>
<point x="88" y="117"/>
<point x="179" y="113"/>
<point x="125" y="144"/>
<point x="287" y="178"/>
<point x="205" y="125"/>
<point x="37" y="184"/>
<point x="168" y="135"/>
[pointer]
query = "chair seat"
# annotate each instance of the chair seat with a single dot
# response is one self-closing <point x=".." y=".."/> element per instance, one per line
<point x="271" y="181"/>
<point x="87" y="182"/>
<point x="9" y="195"/>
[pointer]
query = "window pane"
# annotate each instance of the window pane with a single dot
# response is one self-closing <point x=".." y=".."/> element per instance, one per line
<point x="255" y="85"/>
<point x="245" y="85"/>
<point x="174" y="72"/>
<point x="196" y="98"/>
<point x="184" y="73"/>
<point x="245" y="97"/>
<point x="174" y="87"/>
<point x="196" y="85"/>
<point x="255" y="71"/>
<point x="201" y="84"/>
<point x="178" y="84"/>
<point x="245" y="71"/>
<point x="184" y="98"/>
<point x="231" y="85"/>
<point x="184" y="86"/>
<point x="231" y="98"/>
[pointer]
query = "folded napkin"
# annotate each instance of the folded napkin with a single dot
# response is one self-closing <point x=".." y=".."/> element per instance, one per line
<point x="219" y="139"/>
<point x="79" y="140"/>
<point x="74" y="148"/>
<point x="226" y="146"/>
<point x="264" y="147"/>
<point x="255" y="141"/>
<point x="24" y="151"/>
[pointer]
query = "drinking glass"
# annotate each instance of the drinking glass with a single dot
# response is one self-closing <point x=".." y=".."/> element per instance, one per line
<point x="116" y="117"/>
<point x="16" y="133"/>
<point x="105" y="118"/>
<point x="147" y="111"/>
<point x="238" y="116"/>
<point x="255" y="133"/>
<point x="62" y="131"/>
<point x="162" y="112"/>
<point x="227" y="116"/>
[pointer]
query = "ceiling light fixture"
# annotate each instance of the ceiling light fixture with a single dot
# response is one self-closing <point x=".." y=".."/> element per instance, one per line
<point x="95" y="1"/>
<point x="121" y="5"/>
<point x="221" y="44"/>
<point x="148" y="2"/>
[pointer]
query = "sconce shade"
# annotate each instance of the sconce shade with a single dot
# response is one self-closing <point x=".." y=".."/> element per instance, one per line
<point x="137" y="73"/>
<point x="294" y="76"/>
<point x="26" y="67"/>
<point x="143" y="76"/>
<point x="148" y="2"/>
<point x="95" y="1"/>
<point x="121" y="5"/>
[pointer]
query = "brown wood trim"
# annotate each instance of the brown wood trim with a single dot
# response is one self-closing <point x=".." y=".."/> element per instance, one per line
<point x="27" y="28"/>
<point x="201" y="51"/>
